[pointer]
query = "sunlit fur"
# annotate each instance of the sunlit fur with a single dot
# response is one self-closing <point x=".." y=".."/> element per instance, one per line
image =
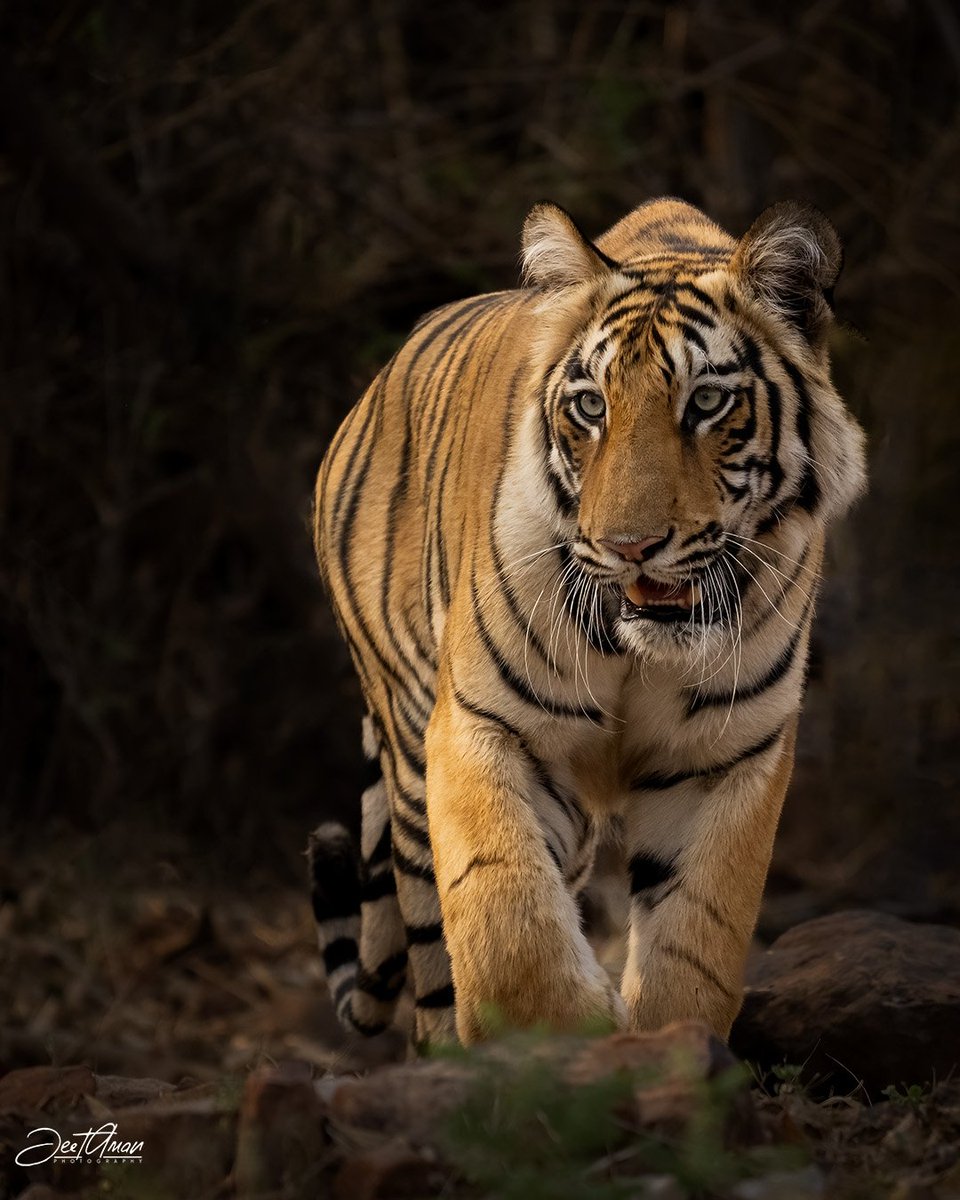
<point x="464" y="515"/>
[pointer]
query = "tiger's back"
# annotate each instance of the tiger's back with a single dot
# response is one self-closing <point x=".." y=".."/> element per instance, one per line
<point x="389" y="535"/>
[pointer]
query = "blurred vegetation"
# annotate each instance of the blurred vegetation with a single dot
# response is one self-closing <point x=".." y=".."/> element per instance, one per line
<point x="217" y="220"/>
<point x="524" y="1134"/>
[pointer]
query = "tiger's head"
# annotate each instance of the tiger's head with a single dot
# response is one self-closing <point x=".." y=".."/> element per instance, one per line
<point x="690" y="426"/>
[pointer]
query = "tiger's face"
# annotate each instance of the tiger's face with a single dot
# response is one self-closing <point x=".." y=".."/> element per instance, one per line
<point x="691" y="425"/>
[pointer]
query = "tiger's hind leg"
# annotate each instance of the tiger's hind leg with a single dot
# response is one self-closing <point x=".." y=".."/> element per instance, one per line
<point x="359" y="928"/>
<point x="429" y="962"/>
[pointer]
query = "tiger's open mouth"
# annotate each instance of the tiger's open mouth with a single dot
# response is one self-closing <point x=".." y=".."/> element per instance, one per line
<point x="655" y="601"/>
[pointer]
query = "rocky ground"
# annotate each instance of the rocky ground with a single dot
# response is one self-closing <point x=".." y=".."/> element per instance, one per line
<point x="194" y="1020"/>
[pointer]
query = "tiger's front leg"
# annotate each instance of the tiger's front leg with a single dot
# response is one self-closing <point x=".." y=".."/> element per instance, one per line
<point x="698" y="852"/>
<point x="511" y="924"/>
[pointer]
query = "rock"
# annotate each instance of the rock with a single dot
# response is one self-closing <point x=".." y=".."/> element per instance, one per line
<point x="116" y="1091"/>
<point x="408" y="1100"/>
<point x="670" y="1067"/>
<point x="280" y="1136"/>
<point x="188" y="1144"/>
<point x="30" y="1089"/>
<point x="687" y="1048"/>
<point x="666" y="1070"/>
<point x="859" y="997"/>
<point x="393" y="1171"/>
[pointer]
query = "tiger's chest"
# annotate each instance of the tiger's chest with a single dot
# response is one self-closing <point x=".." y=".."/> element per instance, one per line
<point x="645" y="728"/>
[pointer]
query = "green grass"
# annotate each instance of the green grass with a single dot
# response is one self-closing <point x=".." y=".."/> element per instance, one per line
<point x="524" y="1133"/>
<point x="913" y="1096"/>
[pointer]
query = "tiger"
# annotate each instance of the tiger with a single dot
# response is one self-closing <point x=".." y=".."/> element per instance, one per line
<point x="573" y="534"/>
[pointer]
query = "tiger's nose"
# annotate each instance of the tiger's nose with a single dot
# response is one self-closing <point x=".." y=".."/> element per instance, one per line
<point x="640" y="550"/>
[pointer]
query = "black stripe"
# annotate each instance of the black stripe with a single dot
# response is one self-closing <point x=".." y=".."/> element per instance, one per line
<point x="554" y="854"/>
<point x="520" y="686"/>
<point x="754" y="359"/>
<point x="414" y="832"/>
<point x="363" y="1027"/>
<point x="516" y="612"/>
<point x="423" y="935"/>
<point x="571" y="809"/>
<point x="734" y="489"/>
<point x="692" y="335"/>
<point x="739" y="435"/>
<point x="410" y="755"/>
<point x="730" y="366"/>
<point x="416" y="804"/>
<point x="657" y="338"/>
<point x="709" y="531"/>
<point x="441" y="435"/>
<point x="378" y="886"/>
<point x="658" y="782"/>
<point x="808" y="491"/>
<point x="463" y="338"/>
<point x="464" y="312"/>
<point x="338" y="952"/>
<point x="386" y="981"/>
<point x="693" y="960"/>
<point x="406" y="866"/>
<point x="776" y="672"/>
<point x="698" y="294"/>
<point x="560" y="441"/>
<point x="372" y="774"/>
<point x="696" y="556"/>
<point x="694" y="314"/>
<point x="776" y="417"/>
<point x="597" y="353"/>
<point x="708" y="907"/>
<point x="442" y="997"/>
<point x="566" y="502"/>
<point x="354" y="490"/>
<point x="633" y="307"/>
<point x="541" y="775"/>
<point x="693" y="257"/>
<point x="486" y="714"/>
<point x="575" y="370"/>
<point x="471" y="866"/>
<point x="648" y="870"/>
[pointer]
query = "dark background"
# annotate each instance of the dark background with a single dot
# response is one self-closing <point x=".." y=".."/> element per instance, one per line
<point x="218" y="219"/>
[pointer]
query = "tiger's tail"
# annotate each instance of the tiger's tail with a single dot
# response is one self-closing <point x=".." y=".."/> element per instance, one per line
<point x="359" y="927"/>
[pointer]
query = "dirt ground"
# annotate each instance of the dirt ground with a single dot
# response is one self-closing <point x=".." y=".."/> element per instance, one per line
<point x="145" y="969"/>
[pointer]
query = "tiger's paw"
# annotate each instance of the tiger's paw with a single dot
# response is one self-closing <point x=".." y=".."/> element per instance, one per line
<point x="586" y="1005"/>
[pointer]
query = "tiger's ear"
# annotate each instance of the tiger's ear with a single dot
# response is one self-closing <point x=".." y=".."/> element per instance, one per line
<point x="556" y="253"/>
<point x="789" y="259"/>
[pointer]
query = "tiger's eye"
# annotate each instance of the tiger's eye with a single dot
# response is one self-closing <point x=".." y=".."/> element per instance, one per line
<point x="708" y="400"/>
<point x="590" y="405"/>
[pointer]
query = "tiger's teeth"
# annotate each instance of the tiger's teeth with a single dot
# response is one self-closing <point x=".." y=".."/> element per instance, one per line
<point x="642" y="597"/>
<point x="635" y="594"/>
